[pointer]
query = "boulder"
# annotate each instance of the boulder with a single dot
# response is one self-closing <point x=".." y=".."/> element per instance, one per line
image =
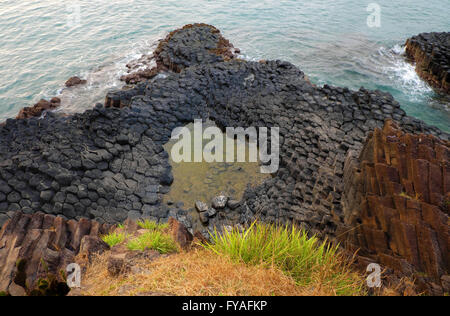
<point x="122" y="260"/>
<point x="37" y="109"/>
<point x="212" y="212"/>
<point x="201" y="206"/>
<point x="139" y="76"/>
<point x="117" y="264"/>
<point x="204" y="218"/>
<point x="233" y="204"/>
<point x="180" y="233"/>
<point x="92" y="245"/>
<point x="74" y="81"/>
<point x="219" y="202"/>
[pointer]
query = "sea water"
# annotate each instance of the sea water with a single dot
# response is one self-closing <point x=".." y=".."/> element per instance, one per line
<point x="43" y="43"/>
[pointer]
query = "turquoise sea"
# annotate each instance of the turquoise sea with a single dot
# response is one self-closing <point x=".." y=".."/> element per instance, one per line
<point x="43" y="43"/>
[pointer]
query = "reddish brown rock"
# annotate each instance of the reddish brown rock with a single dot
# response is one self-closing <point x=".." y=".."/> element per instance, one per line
<point x="396" y="204"/>
<point x="92" y="245"/>
<point x="44" y="245"/>
<point x="116" y="264"/>
<point x="37" y="109"/>
<point x="74" y="81"/>
<point x="199" y="239"/>
<point x="139" y="76"/>
<point x="180" y="233"/>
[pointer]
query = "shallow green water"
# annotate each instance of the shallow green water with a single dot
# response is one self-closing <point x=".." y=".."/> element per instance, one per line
<point x="201" y="181"/>
<point x="42" y="43"/>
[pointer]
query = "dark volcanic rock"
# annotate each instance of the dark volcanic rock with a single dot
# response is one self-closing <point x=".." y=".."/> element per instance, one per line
<point x="194" y="44"/>
<point x="431" y="52"/>
<point x="109" y="164"/>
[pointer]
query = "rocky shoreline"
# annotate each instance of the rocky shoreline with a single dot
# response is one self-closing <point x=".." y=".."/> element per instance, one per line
<point x="431" y="53"/>
<point x="213" y="48"/>
<point x="108" y="164"/>
<point x="43" y="105"/>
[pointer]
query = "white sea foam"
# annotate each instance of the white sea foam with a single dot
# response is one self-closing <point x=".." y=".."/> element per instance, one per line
<point x="104" y="77"/>
<point x="403" y="73"/>
<point x="248" y="57"/>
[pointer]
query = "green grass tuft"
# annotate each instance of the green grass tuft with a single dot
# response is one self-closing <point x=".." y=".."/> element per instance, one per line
<point x="114" y="238"/>
<point x="307" y="260"/>
<point x="151" y="225"/>
<point x="154" y="240"/>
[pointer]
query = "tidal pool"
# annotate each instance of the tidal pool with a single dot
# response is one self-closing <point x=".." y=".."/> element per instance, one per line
<point x="201" y="181"/>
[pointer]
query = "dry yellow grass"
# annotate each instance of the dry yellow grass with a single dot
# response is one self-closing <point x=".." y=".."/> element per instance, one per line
<point x="197" y="273"/>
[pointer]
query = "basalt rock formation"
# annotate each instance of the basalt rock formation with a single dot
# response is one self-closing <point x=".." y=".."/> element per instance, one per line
<point x="318" y="126"/>
<point x="108" y="164"/>
<point x="431" y="52"/>
<point x="184" y="48"/>
<point x="396" y="204"/>
<point x="36" y="250"/>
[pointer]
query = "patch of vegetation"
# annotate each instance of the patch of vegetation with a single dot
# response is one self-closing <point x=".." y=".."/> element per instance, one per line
<point x="151" y="225"/>
<point x="114" y="238"/>
<point x="154" y="240"/>
<point x="307" y="260"/>
<point x="197" y="272"/>
<point x="417" y="197"/>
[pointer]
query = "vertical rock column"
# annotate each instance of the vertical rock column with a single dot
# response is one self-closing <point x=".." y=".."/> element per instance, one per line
<point x="397" y="204"/>
<point x="44" y="244"/>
